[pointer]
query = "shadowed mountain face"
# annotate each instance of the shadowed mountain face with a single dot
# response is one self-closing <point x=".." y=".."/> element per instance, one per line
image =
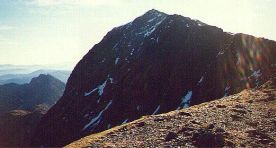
<point x="43" y="89"/>
<point x="154" y="64"/>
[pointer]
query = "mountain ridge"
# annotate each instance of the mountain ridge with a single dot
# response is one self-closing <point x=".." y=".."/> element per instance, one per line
<point x="154" y="64"/>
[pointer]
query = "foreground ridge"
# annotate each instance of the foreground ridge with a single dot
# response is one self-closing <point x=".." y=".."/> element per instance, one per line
<point x="243" y="119"/>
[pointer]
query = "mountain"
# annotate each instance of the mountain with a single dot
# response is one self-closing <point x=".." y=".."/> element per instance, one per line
<point x="246" y="119"/>
<point x="44" y="89"/>
<point x="155" y="64"/>
<point x="62" y="75"/>
<point x="22" y="106"/>
<point x="17" y="126"/>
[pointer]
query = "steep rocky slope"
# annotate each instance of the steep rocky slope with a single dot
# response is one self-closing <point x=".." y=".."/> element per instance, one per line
<point x="155" y="64"/>
<point x="246" y="119"/>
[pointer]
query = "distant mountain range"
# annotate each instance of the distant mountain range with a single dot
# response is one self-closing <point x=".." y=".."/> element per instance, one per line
<point x="62" y="75"/>
<point x="18" y="69"/>
<point x="21" y="74"/>
<point x="155" y="64"/>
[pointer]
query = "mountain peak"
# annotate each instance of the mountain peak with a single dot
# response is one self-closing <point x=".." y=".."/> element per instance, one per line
<point x="154" y="12"/>
<point x="42" y="77"/>
<point x="155" y="64"/>
<point x="45" y="78"/>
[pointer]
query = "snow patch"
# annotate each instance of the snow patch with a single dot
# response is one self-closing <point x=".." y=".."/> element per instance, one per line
<point x="96" y="120"/>
<point x="87" y="94"/>
<point x="86" y="115"/>
<point x="221" y="52"/>
<point x="151" y="20"/>
<point x="108" y="126"/>
<point x="186" y="100"/>
<point x="156" y="110"/>
<point x="111" y="80"/>
<point x="126" y="59"/>
<point x="115" y="46"/>
<point x="201" y="80"/>
<point x="148" y="31"/>
<point x="138" y="107"/>
<point x="125" y="121"/>
<point x="226" y="89"/>
<point x="117" y="60"/>
<point x="200" y="23"/>
<point x="100" y="88"/>
<point x="131" y="53"/>
<point x="257" y="73"/>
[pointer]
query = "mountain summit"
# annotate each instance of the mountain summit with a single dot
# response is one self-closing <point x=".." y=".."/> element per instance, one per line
<point x="155" y="64"/>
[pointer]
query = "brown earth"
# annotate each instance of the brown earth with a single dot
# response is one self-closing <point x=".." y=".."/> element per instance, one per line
<point x="17" y="126"/>
<point x="246" y="119"/>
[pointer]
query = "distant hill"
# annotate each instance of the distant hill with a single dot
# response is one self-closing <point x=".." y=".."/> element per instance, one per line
<point x="22" y="106"/>
<point x="44" y="89"/>
<point x="62" y="75"/>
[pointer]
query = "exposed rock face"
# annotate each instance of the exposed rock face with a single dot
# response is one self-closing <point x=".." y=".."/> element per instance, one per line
<point x="246" y="119"/>
<point x="154" y="64"/>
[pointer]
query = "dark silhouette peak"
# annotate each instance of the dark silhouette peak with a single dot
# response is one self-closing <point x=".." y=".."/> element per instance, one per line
<point x="44" y="75"/>
<point x="43" y="78"/>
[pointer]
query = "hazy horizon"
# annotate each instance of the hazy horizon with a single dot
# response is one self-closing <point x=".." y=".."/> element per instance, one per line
<point x="53" y="32"/>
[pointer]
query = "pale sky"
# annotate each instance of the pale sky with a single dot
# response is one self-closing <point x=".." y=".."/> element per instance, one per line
<point x="50" y="32"/>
